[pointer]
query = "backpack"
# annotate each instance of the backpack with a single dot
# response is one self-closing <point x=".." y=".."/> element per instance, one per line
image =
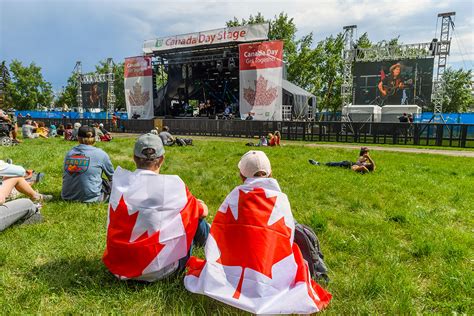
<point x="308" y="243"/>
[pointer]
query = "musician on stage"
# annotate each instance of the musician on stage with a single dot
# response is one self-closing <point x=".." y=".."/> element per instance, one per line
<point x="391" y="87"/>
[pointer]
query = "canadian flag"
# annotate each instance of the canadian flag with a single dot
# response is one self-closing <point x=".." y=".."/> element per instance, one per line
<point x="252" y="262"/>
<point x="152" y="220"/>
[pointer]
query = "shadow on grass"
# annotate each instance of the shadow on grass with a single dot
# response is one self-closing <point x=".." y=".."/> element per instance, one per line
<point x="74" y="274"/>
<point x="85" y="278"/>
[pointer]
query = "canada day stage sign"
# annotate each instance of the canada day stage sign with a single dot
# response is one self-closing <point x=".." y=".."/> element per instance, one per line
<point x="138" y="87"/>
<point x="238" y="34"/>
<point x="261" y="76"/>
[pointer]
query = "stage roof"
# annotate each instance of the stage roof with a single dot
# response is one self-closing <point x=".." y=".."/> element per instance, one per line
<point x="190" y="41"/>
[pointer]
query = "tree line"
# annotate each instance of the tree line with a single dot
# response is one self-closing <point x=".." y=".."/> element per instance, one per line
<point x="315" y="66"/>
<point x="24" y="88"/>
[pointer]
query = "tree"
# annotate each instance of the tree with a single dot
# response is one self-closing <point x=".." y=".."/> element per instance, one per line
<point x="456" y="87"/>
<point x="69" y="94"/>
<point x="318" y="69"/>
<point x="27" y="87"/>
<point x="5" y="102"/>
<point x="281" y="28"/>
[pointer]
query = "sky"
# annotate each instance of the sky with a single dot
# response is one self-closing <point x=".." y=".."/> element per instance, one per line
<point x="56" y="33"/>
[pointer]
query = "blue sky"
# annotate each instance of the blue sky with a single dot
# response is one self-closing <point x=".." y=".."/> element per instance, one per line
<point x="55" y="34"/>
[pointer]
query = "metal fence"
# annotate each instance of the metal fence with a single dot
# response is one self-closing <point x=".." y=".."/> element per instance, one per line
<point x="449" y="135"/>
<point x="452" y="135"/>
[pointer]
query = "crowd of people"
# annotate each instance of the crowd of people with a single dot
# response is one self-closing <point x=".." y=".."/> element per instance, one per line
<point x="172" y="219"/>
<point x="31" y="129"/>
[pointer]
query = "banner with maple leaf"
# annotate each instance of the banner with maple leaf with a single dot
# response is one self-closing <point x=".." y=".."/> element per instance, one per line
<point x="138" y="87"/>
<point x="151" y="224"/>
<point x="261" y="76"/>
<point x="251" y="260"/>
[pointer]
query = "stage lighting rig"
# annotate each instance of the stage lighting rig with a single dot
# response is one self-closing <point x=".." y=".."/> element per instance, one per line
<point x="219" y="66"/>
<point x="231" y="64"/>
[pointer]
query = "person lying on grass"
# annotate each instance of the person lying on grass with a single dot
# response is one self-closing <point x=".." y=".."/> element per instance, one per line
<point x="153" y="219"/>
<point x="83" y="168"/>
<point x="364" y="163"/>
<point x="252" y="261"/>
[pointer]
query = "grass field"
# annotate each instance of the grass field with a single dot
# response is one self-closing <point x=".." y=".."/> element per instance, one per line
<point x="396" y="241"/>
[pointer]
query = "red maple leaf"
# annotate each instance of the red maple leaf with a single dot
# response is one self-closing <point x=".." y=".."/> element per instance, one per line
<point x="122" y="256"/>
<point x="137" y="97"/>
<point x="249" y="242"/>
<point x="261" y="95"/>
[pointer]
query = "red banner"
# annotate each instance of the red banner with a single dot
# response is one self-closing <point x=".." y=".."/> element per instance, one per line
<point x="138" y="87"/>
<point x="261" y="75"/>
<point x="137" y="67"/>
<point x="261" y="55"/>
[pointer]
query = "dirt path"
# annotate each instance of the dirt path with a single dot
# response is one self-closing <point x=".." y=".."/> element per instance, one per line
<point x="446" y="152"/>
<point x="456" y="153"/>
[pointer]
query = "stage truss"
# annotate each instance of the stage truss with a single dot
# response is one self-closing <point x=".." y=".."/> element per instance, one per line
<point x="438" y="48"/>
<point x="96" y="78"/>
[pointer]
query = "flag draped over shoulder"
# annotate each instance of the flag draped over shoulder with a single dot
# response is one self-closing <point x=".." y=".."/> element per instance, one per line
<point x="252" y="262"/>
<point x="152" y="220"/>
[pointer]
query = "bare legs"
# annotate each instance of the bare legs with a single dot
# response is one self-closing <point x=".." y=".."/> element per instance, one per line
<point x="18" y="183"/>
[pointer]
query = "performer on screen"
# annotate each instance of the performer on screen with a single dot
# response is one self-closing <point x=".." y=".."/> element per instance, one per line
<point x="95" y="98"/>
<point x="391" y="86"/>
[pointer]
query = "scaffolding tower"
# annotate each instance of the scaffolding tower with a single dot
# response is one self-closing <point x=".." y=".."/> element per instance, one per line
<point x="441" y="49"/>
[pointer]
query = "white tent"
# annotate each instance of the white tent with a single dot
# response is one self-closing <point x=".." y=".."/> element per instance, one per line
<point x="302" y="99"/>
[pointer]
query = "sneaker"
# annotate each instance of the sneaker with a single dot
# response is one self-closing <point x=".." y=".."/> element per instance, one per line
<point x="43" y="197"/>
<point x="33" y="219"/>
<point x="314" y="162"/>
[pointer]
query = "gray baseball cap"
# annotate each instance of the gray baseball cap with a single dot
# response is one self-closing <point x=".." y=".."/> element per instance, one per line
<point x="149" y="141"/>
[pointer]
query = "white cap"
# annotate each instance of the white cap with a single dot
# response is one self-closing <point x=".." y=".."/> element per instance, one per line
<point x="77" y="125"/>
<point x="253" y="162"/>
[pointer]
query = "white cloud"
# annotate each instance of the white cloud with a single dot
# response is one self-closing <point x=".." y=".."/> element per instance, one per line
<point x="132" y="22"/>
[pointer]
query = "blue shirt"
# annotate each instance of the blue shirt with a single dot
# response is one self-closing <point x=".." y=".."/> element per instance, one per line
<point x="82" y="174"/>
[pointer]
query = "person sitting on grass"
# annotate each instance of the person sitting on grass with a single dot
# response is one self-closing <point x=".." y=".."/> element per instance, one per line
<point x="83" y="168"/>
<point x="253" y="262"/>
<point x="98" y="133"/>
<point x="274" y="139"/>
<point x="107" y="137"/>
<point x="77" y="125"/>
<point x="11" y="125"/>
<point x="60" y="130"/>
<point x="42" y="130"/>
<point x="15" y="179"/>
<point x="13" y="182"/>
<point x="68" y="132"/>
<point x="53" y="131"/>
<point x="364" y="163"/>
<point x="28" y="129"/>
<point x="153" y="219"/>
<point x="166" y="137"/>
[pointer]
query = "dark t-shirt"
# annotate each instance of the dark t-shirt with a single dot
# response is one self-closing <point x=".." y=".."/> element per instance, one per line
<point x="394" y="94"/>
<point x="403" y="119"/>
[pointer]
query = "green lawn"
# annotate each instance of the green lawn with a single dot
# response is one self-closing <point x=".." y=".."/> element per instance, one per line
<point x="396" y="241"/>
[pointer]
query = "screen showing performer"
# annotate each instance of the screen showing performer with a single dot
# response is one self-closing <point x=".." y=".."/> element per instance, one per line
<point x="94" y="95"/>
<point x="393" y="82"/>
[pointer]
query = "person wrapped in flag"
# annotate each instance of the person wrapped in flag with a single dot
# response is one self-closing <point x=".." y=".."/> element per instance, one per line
<point x="251" y="261"/>
<point x="153" y="219"/>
